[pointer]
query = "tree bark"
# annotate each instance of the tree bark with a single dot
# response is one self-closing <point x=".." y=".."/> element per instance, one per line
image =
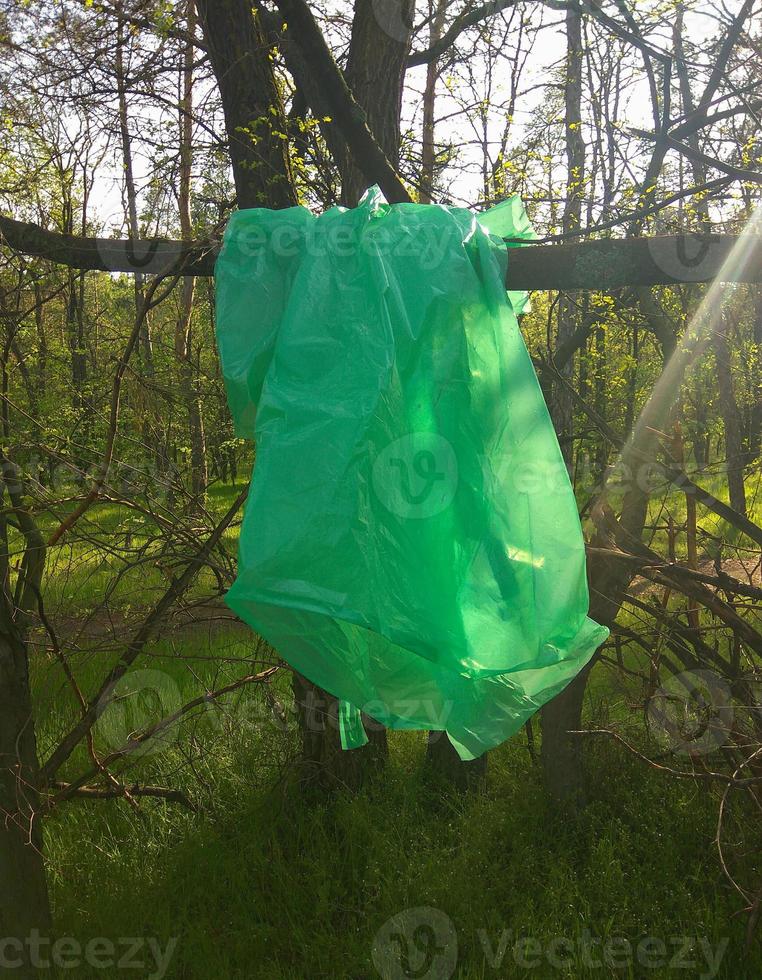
<point x="251" y="103"/>
<point x="731" y="417"/>
<point x="375" y="73"/>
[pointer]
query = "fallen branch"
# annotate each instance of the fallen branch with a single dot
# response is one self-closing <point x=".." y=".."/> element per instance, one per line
<point x="102" y="793"/>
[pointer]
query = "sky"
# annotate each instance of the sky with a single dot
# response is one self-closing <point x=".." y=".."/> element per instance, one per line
<point x="464" y="184"/>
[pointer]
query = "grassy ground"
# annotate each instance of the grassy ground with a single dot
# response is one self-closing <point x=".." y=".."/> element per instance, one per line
<point x="262" y="886"/>
<point x="261" y="883"/>
<point x="405" y="879"/>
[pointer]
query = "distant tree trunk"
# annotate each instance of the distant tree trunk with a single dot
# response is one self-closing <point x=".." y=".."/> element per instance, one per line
<point x="560" y="752"/>
<point x="145" y="349"/>
<point x="600" y="388"/>
<point x="731" y="417"/>
<point x="701" y="203"/>
<point x="700" y="440"/>
<point x="632" y="381"/>
<point x="437" y="11"/>
<point x="183" y="331"/>
<point x="133" y="224"/>
<point x="562" y="404"/>
<point x="755" y="417"/>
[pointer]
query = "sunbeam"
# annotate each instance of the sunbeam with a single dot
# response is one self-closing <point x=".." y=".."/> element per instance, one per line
<point x="655" y="413"/>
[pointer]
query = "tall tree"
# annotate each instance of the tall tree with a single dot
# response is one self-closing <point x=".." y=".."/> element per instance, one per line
<point x="183" y="328"/>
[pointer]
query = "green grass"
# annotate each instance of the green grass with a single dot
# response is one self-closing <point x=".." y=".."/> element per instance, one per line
<point x="264" y="883"/>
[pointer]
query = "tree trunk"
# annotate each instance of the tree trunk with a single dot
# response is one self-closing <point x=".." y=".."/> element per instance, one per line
<point x="560" y="752"/>
<point x="375" y="73"/>
<point x="444" y="761"/>
<point x="437" y="11"/>
<point x="24" y="904"/>
<point x="183" y="347"/>
<point x="253" y="117"/>
<point x="325" y="764"/>
<point x="251" y="103"/>
<point x="731" y="417"/>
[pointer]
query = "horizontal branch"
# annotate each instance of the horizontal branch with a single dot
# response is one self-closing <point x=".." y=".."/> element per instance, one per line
<point x="607" y="264"/>
<point x="604" y="264"/>
<point x="149" y="256"/>
<point x="726" y="583"/>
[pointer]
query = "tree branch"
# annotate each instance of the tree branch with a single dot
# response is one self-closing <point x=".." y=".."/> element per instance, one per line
<point x="347" y="113"/>
<point x="455" y="29"/>
<point x="150" y="256"/>
<point x="136" y="645"/>
<point x="115" y="793"/>
<point x="738" y="173"/>
<point x="598" y="265"/>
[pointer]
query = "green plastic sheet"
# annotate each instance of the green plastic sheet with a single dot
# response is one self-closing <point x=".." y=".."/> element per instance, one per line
<point x="411" y="542"/>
